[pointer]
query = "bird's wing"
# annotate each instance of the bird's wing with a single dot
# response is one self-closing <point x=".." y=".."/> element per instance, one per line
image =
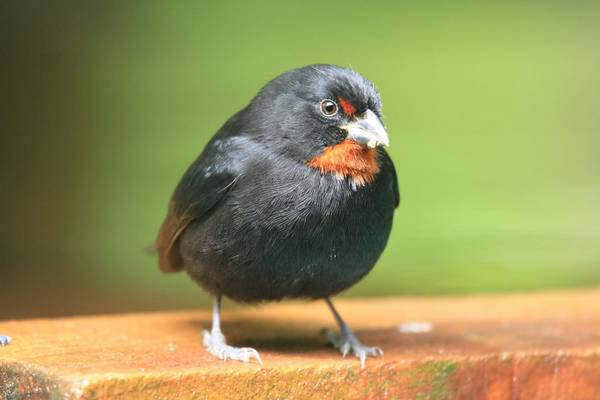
<point x="204" y="185"/>
<point x="388" y="165"/>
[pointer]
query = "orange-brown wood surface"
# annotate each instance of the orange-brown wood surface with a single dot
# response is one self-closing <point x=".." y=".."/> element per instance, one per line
<point x="520" y="346"/>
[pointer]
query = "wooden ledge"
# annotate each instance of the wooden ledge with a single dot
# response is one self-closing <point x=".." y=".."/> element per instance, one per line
<point x="521" y="346"/>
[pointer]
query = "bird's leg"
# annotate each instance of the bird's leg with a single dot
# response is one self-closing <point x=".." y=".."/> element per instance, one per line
<point x="347" y="341"/>
<point x="214" y="341"/>
<point x="4" y="340"/>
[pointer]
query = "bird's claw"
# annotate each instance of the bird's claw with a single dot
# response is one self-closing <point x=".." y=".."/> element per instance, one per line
<point x="4" y="340"/>
<point x="347" y="342"/>
<point x="216" y="345"/>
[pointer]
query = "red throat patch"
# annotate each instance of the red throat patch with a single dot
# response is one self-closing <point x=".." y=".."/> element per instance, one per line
<point x="347" y="107"/>
<point x="348" y="159"/>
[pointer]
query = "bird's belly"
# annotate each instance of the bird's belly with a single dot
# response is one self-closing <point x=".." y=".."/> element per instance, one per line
<point x="268" y="252"/>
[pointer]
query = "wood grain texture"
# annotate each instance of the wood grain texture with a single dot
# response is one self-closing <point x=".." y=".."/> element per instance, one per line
<point x="520" y="346"/>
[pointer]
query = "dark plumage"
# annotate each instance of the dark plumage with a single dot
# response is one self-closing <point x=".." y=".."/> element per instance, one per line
<point x="286" y="200"/>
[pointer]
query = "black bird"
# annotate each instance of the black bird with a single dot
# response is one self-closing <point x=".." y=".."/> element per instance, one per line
<point x="292" y="198"/>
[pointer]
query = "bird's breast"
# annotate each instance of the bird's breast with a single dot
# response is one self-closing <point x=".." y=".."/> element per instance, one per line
<point x="291" y="232"/>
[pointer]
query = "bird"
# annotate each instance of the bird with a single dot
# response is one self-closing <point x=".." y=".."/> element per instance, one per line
<point x="293" y="197"/>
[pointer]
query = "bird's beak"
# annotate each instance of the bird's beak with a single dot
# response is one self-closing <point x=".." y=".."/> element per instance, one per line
<point x="367" y="130"/>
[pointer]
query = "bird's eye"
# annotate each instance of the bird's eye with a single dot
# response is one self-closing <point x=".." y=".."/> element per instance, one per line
<point x="329" y="108"/>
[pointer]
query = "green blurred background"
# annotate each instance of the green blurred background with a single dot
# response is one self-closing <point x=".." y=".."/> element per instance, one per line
<point x="493" y="111"/>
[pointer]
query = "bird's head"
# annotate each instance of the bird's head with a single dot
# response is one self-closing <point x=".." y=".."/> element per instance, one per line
<point x="324" y="116"/>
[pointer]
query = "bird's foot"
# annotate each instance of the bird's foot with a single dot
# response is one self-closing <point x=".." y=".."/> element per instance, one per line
<point x="4" y="340"/>
<point x="216" y="345"/>
<point x="347" y="342"/>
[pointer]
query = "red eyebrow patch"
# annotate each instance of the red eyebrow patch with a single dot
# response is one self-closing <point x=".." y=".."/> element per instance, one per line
<point x="348" y="107"/>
